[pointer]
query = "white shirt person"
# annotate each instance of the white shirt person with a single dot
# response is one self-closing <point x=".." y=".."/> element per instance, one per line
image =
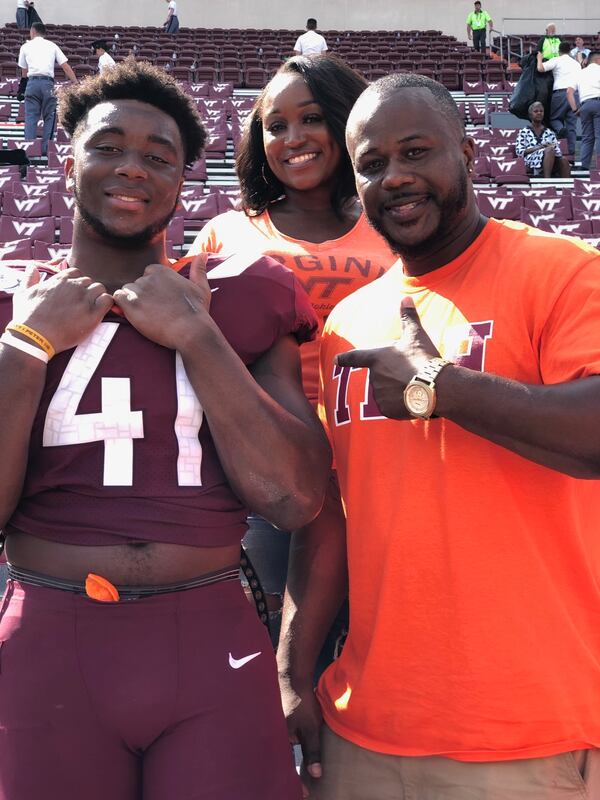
<point x="310" y="43"/>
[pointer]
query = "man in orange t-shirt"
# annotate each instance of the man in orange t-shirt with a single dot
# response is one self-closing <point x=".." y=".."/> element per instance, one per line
<point x="461" y="392"/>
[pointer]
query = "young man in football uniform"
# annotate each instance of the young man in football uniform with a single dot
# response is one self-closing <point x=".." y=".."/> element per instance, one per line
<point x="144" y="407"/>
<point x="462" y="394"/>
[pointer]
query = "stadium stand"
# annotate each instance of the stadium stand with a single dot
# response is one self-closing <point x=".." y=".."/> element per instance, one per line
<point x="222" y="69"/>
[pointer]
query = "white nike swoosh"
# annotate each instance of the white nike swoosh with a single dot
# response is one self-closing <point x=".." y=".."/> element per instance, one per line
<point x="236" y="663"/>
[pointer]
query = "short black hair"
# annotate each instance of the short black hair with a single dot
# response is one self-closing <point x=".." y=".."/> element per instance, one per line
<point x="38" y="27"/>
<point x="564" y="47"/>
<point x="390" y="84"/>
<point x="335" y="86"/>
<point x="477" y="2"/>
<point x="594" y="54"/>
<point x="135" y="80"/>
<point x="99" y="44"/>
<point x="311" y="23"/>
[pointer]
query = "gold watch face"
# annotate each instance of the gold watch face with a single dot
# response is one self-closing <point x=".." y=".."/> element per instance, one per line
<point x="419" y="398"/>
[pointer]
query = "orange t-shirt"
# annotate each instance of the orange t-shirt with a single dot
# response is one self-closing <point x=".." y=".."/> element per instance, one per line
<point x="474" y="573"/>
<point x="329" y="271"/>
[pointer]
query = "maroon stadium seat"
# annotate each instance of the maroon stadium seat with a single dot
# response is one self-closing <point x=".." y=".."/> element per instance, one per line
<point x="43" y="251"/>
<point x="199" y="207"/>
<point x="18" y="248"/>
<point x="26" y="207"/>
<point x="569" y="228"/>
<point x="197" y="172"/>
<point x="509" y="171"/>
<point x="62" y="204"/>
<point x="33" y="149"/>
<point x="176" y="230"/>
<point x="499" y="206"/>
<point x="12" y="228"/>
<point x="30" y="189"/>
<point x="586" y="206"/>
<point x="560" y="205"/>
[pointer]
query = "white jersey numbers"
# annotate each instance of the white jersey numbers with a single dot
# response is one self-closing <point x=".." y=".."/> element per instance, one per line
<point x="117" y="424"/>
<point x="187" y="425"/>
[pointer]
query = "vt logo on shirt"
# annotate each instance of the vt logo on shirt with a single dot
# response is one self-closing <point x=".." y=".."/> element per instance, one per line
<point x="463" y="344"/>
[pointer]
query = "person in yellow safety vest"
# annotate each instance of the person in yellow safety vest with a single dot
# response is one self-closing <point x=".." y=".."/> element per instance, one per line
<point x="476" y="26"/>
<point x="548" y="44"/>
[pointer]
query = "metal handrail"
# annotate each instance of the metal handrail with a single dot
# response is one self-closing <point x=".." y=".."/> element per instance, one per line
<point x="507" y="38"/>
<point x="589" y="22"/>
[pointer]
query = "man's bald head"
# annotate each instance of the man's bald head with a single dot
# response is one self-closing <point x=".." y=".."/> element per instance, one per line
<point x="385" y="87"/>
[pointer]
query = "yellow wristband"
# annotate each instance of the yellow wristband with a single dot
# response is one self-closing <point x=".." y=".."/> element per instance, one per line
<point x="36" y="337"/>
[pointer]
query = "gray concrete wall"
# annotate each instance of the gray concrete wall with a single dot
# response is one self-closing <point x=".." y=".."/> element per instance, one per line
<point x="512" y="15"/>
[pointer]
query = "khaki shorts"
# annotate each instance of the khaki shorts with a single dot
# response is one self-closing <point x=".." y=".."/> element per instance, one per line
<point x="354" y="773"/>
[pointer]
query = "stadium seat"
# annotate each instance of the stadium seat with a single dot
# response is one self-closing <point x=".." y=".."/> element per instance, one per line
<point x="535" y="218"/>
<point x="255" y="78"/>
<point x="560" y="205"/>
<point x="500" y="207"/>
<point x="12" y="228"/>
<point x="176" y="231"/>
<point x="65" y="230"/>
<point x="62" y="204"/>
<point x="509" y="171"/>
<point x="482" y="169"/>
<point x="8" y="182"/>
<point x="495" y="150"/>
<point x="568" y="228"/>
<point x="585" y="206"/>
<point x="199" y="207"/>
<point x="26" y="207"/>
<point x="197" y="172"/>
<point x="42" y="251"/>
<point x="32" y="149"/>
<point x="18" y="248"/>
<point x="30" y="189"/>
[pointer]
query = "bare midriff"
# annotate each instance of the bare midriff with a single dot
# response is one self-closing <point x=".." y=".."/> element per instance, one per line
<point x="127" y="564"/>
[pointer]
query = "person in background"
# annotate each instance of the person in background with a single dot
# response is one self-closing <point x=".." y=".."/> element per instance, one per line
<point x="172" y="22"/>
<point x="477" y="23"/>
<point x="105" y="60"/>
<point x="539" y="147"/>
<point x="37" y="59"/>
<point x="299" y="206"/>
<point x="548" y="44"/>
<point x="587" y="89"/>
<point x="22" y="18"/>
<point x="580" y="52"/>
<point x="564" y="72"/>
<point x="310" y="43"/>
<point x="32" y="14"/>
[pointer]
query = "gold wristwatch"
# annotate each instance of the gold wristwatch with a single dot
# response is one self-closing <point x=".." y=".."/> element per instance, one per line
<point x="419" y="395"/>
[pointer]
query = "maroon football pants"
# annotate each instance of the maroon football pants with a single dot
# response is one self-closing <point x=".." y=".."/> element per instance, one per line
<point x="162" y="698"/>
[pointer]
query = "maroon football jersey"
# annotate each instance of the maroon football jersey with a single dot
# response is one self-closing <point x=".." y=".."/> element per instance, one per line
<point x="120" y="449"/>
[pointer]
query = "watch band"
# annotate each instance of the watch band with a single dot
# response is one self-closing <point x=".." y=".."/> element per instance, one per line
<point x="420" y="394"/>
<point x="430" y="370"/>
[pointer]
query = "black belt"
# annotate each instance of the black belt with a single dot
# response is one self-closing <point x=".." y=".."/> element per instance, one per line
<point x="41" y="78"/>
<point x="125" y="592"/>
<point x="589" y="99"/>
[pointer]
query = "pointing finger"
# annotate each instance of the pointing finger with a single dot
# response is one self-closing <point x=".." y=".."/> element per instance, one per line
<point x="413" y="329"/>
<point x="355" y="358"/>
<point x="409" y="313"/>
